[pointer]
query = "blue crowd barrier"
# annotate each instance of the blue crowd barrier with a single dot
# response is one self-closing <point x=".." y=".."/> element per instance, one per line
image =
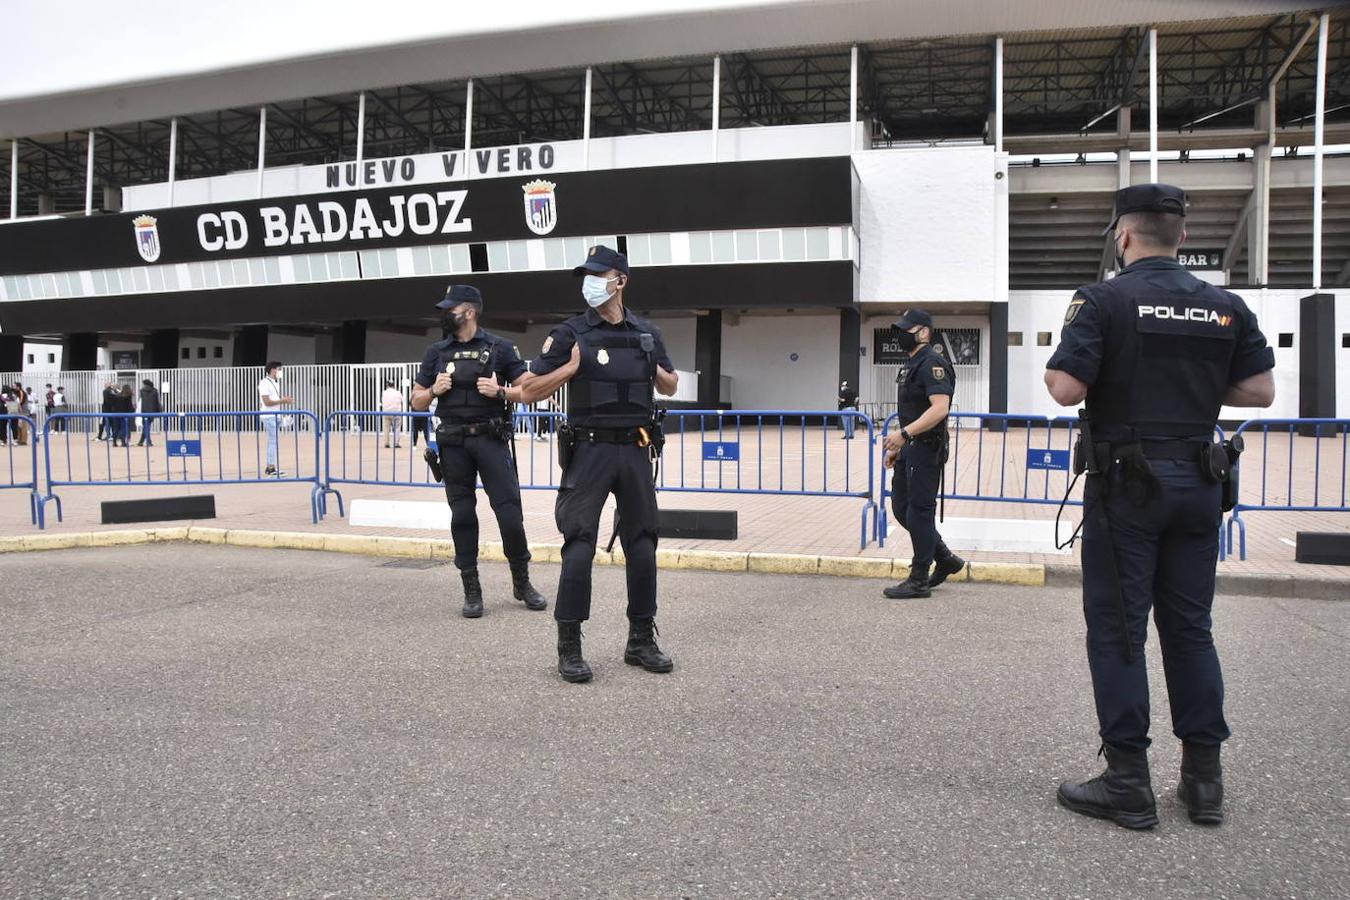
<point x="773" y="434"/>
<point x="353" y="454"/>
<point x="21" y="463"/>
<point x="979" y="442"/>
<point x="183" y="449"/>
<point x="1300" y="448"/>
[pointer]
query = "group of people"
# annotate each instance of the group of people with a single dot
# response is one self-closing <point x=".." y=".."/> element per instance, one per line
<point x="120" y="406"/>
<point x="18" y="401"/>
<point x="1152" y="385"/>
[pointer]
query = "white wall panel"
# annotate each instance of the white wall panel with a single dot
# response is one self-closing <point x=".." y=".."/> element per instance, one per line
<point x="757" y="355"/>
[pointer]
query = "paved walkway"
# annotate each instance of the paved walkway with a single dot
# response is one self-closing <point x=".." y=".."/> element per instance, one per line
<point x="786" y="458"/>
<point x="183" y="720"/>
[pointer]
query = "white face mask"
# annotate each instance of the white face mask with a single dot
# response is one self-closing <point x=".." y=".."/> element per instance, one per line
<point x="595" y="290"/>
<point x="277" y="377"/>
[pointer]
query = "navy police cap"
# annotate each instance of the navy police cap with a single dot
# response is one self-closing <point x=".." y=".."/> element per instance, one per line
<point x="1164" y="198"/>
<point x="600" y="259"/>
<point x="456" y="294"/>
<point x="914" y="317"/>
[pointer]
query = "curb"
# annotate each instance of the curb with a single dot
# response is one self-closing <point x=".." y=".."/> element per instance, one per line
<point x="1279" y="587"/>
<point x="1024" y="574"/>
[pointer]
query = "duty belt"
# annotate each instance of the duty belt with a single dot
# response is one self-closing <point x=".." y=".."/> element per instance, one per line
<point x="636" y="435"/>
<point x="1186" y="451"/>
<point x="473" y="429"/>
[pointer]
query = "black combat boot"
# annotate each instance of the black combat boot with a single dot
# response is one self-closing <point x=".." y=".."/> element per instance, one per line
<point x="916" y="585"/>
<point x="570" y="664"/>
<point x="473" y="593"/>
<point x="945" y="566"/>
<point x="1122" y="793"/>
<point x="641" y="649"/>
<point x="1201" y="788"/>
<point x="524" y="591"/>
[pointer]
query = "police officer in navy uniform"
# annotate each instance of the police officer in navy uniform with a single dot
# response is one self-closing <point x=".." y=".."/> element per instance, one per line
<point x="918" y="451"/>
<point x="473" y="439"/>
<point x="1155" y="352"/>
<point x="614" y="434"/>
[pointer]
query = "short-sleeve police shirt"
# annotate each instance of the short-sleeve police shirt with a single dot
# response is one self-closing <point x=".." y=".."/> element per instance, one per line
<point x="1087" y="325"/>
<point x="557" y="349"/>
<point x="926" y="374"/>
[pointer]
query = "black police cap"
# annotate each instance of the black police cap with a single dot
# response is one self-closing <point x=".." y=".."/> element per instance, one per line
<point x="456" y="294"/>
<point x="1164" y="198"/>
<point x="600" y="259"/>
<point x="914" y="317"/>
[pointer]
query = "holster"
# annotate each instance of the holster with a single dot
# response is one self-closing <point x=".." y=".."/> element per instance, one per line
<point x="450" y="436"/>
<point x="433" y="461"/>
<point x="1218" y="463"/>
<point x="567" y="445"/>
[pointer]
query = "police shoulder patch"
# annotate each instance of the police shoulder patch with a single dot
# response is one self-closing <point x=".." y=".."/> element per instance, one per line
<point x="548" y="343"/>
<point x="1074" y="306"/>
<point x="939" y="373"/>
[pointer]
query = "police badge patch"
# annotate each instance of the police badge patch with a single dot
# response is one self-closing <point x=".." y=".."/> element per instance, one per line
<point x="1072" y="311"/>
<point x="602" y="357"/>
<point x="548" y="343"/>
<point x="939" y="373"/>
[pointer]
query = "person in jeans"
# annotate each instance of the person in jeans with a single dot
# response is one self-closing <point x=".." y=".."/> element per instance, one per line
<point x="120" y="425"/>
<point x="149" y="404"/>
<point x="848" y="402"/>
<point x="271" y="400"/>
<point x="59" y="406"/>
<point x="109" y="401"/>
<point x="391" y="403"/>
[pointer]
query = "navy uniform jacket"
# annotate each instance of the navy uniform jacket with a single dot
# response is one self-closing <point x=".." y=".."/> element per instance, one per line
<point x="467" y="361"/>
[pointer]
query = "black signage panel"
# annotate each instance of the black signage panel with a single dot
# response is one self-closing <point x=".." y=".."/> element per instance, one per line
<point x="765" y="194"/>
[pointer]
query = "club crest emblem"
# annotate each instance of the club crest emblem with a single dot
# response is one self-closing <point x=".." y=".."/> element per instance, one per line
<point x="147" y="237"/>
<point x="541" y="205"/>
<point x="602" y="357"/>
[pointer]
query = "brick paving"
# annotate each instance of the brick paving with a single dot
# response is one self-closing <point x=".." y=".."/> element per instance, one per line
<point x="812" y="459"/>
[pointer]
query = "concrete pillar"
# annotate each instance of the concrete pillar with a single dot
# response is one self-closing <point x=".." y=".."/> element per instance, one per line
<point x="1258" y="223"/>
<point x="1317" y="359"/>
<point x="250" y="346"/>
<point x="80" y="351"/>
<point x="1123" y="154"/>
<point x="351" y="342"/>
<point x="161" y="349"/>
<point x="850" y="339"/>
<point x="708" y="358"/>
<point x="11" y="353"/>
<point x="998" y="357"/>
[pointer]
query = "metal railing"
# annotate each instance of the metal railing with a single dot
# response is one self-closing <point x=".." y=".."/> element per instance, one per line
<point x="998" y="458"/>
<point x="229" y="447"/>
<point x="20" y="463"/>
<point x="771" y="451"/>
<point x="1314" y="458"/>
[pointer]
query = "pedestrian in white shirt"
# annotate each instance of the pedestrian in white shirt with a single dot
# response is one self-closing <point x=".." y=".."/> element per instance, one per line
<point x="271" y="399"/>
<point x="391" y="401"/>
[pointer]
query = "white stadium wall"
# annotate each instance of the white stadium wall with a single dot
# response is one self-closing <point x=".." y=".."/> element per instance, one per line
<point x="932" y="225"/>
<point x="1343" y="354"/>
<point x="757" y="356"/>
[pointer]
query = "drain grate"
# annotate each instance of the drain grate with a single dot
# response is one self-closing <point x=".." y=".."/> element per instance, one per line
<point x="413" y="563"/>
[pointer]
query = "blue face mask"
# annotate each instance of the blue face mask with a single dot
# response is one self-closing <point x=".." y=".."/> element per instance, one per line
<point x="595" y="290"/>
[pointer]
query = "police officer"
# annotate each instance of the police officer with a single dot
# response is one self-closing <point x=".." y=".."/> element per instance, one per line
<point x="473" y="438"/>
<point x="612" y="434"/>
<point x="1155" y="352"/>
<point x="918" y="450"/>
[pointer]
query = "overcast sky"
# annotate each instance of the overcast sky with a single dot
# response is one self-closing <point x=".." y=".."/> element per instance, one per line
<point x="52" y="46"/>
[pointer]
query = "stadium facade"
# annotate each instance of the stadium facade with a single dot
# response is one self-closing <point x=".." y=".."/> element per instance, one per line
<point x="784" y="177"/>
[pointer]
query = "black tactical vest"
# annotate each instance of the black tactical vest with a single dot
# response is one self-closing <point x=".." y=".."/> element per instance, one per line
<point x="613" y="386"/>
<point x="911" y="400"/>
<point x="466" y="363"/>
<point x="1169" y="345"/>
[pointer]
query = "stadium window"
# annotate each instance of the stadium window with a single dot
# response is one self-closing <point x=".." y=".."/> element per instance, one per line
<point x="201" y="353"/>
<point x="389" y="266"/>
<point x="350" y="268"/>
<point x="440" y="259"/>
<point x="318" y="267"/>
<point x="638" y="249"/>
<point x="271" y="270"/>
<point x="256" y="274"/>
<point x="461" y="258"/>
<point x="621" y="244"/>
<point x="794" y="243"/>
<point x="478" y="258"/>
<point x="723" y="247"/>
<point x="1286" y="339"/>
<point x="499" y="258"/>
<point x="185" y="353"/>
<point x="747" y="248"/>
<point x="1042" y="339"/>
<point x="218" y="352"/>
<point x="700" y="247"/>
<point x="1345" y="340"/>
<point x="51" y="358"/>
<point x="817" y="243"/>
<point x="555" y="254"/>
<point x="519" y="255"/>
<point x="770" y="245"/>
<point x="226" y="271"/>
<point x="300" y="266"/>
<point x="1014" y="339"/>
<point x="30" y="359"/>
<point x="421" y="257"/>
<point x="660" y="249"/>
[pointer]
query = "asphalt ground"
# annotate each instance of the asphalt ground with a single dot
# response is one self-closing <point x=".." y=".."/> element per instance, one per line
<point x="219" y="722"/>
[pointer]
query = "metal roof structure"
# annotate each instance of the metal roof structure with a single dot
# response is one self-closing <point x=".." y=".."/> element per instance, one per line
<point x="1062" y="91"/>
